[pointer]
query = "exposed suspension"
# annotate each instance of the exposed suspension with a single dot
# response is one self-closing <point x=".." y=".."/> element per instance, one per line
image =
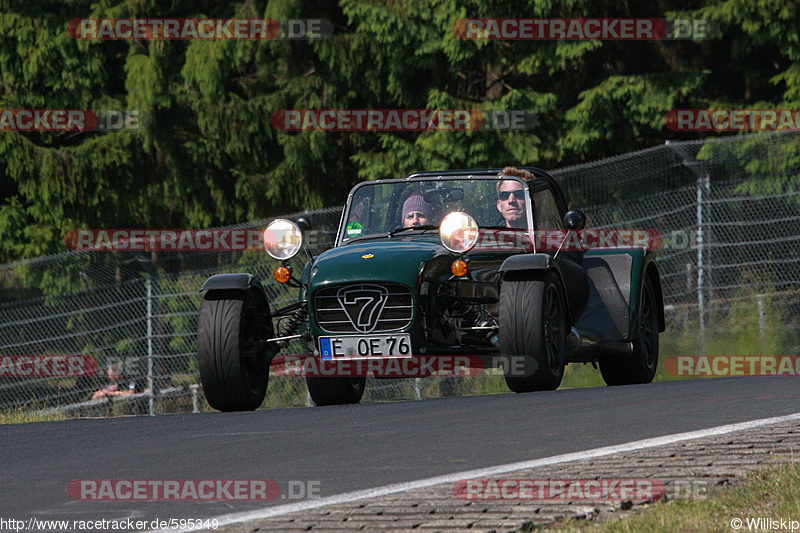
<point x="292" y="324"/>
<point x="478" y="324"/>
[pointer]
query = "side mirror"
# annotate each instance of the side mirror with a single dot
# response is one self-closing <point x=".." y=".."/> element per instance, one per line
<point x="574" y="220"/>
<point x="303" y="222"/>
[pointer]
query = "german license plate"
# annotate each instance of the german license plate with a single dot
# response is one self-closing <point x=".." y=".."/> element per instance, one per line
<point x="350" y="346"/>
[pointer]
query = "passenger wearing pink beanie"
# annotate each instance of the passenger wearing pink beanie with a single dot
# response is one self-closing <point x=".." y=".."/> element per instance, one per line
<point x="416" y="212"/>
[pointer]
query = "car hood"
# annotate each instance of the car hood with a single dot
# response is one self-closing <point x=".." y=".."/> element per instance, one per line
<point x="400" y="261"/>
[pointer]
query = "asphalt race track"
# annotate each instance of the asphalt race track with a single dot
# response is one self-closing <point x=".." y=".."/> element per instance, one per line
<point x="349" y="448"/>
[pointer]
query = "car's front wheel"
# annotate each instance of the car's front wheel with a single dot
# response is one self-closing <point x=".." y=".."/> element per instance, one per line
<point x="533" y="332"/>
<point x="233" y="362"/>
<point x="329" y="390"/>
<point x="642" y="365"/>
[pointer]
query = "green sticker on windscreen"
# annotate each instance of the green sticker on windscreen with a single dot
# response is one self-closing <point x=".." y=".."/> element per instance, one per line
<point x="353" y="229"/>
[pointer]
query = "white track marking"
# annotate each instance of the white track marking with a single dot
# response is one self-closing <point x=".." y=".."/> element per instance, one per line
<point x="347" y="497"/>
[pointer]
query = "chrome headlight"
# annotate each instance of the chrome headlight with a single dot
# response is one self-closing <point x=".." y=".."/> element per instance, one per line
<point x="458" y="232"/>
<point x="282" y="239"/>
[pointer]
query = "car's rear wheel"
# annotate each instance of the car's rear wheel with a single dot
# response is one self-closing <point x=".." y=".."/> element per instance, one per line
<point x="642" y="365"/>
<point x="233" y="363"/>
<point x="328" y="390"/>
<point x="533" y="327"/>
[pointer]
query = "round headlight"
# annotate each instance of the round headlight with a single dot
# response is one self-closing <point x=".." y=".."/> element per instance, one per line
<point x="282" y="239"/>
<point x="458" y="232"/>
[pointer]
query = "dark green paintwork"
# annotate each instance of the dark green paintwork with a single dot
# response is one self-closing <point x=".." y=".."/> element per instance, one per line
<point x="392" y="260"/>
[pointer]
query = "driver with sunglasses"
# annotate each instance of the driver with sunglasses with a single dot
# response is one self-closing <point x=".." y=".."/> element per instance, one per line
<point x="511" y="197"/>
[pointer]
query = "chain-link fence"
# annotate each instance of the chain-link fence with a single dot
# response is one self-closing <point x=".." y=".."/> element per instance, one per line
<point x="728" y="209"/>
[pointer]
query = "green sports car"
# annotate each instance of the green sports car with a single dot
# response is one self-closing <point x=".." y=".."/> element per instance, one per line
<point x="474" y="266"/>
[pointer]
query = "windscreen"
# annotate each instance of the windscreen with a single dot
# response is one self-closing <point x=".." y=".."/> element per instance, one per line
<point x="381" y="208"/>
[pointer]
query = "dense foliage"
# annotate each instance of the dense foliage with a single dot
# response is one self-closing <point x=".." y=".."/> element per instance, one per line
<point x="208" y="155"/>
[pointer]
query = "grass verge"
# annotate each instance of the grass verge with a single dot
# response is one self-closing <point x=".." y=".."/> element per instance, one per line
<point x="769" y="493"/>
<point x="18" y="416"/>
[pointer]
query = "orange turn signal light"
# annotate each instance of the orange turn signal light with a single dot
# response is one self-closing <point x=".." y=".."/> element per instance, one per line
<point x="282" y="274"/>
<point x="459" y="267"/>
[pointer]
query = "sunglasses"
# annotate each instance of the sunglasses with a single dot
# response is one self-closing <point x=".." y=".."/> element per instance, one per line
<point x="519" y="194"/>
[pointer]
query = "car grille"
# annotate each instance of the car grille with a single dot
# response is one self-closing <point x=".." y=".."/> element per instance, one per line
<point x="363" y="308"/>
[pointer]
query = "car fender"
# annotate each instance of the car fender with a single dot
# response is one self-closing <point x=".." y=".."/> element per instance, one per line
<point x="537" y="265"/>
<point x="237" y="282"/>
<point x="527" y="263"/>
<point x="651" y="270"/>
<point x="529" y="267"/>
<point x="644" y="266"/>
<point x="616" y="281"/>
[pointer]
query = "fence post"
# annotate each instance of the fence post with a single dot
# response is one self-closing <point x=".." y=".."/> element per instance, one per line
<point x="153" y="312"/>
<point x="703" y="184"/>
<point x="195" y="397"/>
<point x="703" y="189"/>
<point x="761" y="333"/>
<point x="150" y="399"/>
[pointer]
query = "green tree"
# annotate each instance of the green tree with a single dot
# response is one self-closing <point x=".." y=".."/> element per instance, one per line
<point x="208" y="155"/>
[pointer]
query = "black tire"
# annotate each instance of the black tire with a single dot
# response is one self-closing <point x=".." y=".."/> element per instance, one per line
<point x="326" y="390"/>
<point x="533" y="324"/>
<point x="642" y="365"/>
<point x="234" y="368"/>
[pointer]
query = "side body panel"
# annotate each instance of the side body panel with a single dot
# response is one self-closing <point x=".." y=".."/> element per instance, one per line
<point x="616" y="278"/>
